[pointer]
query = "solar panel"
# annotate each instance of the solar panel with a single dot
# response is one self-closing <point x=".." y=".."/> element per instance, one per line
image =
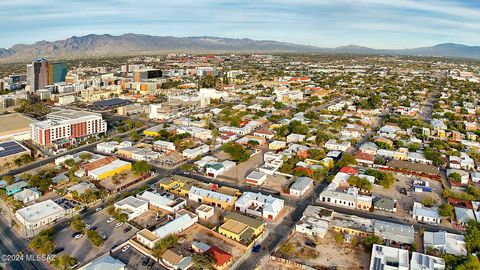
<point x="10" y="148"/>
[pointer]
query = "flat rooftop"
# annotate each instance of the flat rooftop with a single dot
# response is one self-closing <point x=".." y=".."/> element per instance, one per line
<point x="40" y="211"/>
<point x="14" y="123"/>
<point x="11" y="148"/>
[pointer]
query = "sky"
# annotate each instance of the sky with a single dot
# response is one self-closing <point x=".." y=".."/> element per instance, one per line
<point x="389" y="24"/>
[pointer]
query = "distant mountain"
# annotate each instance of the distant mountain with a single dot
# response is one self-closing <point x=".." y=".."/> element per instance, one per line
<point x="135" y="43"/>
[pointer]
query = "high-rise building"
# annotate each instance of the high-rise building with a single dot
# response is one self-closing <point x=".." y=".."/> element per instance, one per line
<point x="141" y="75"/>
<point x="37" y="74"/>
<point x="56" y="72"/>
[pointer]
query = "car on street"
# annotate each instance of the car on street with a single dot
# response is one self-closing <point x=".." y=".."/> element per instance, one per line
<point x="126" y="248"/>
<point x="88" y="226"/>
<point x="118" y="224"/>
<point x="110" y="220"/>
<point x="103" y="236"/>
<point x="93" y="228"/>
<point x="57" y="250"/>
<point x="78" y="236"/>
<point x="98" y="209"/>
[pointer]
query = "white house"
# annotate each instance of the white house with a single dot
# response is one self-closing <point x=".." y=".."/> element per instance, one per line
<point x="425" y="214"/>
<point x="301" y="186"/>
<point x="163" y="146"/>
<point x="205" y="211"/>
<point x="214" y="169"/>
<point x="391" y="258"/>
<point x="315" y="221"/>
<point x="332" y="144"/>
<point x="195" y="152"/>
<point x="445" y="242"/>
<point x="131" y="206"/>
<point x="257" y="204"/>
<point x="421" y="261"/>
<point x="295" y="138"/>
<point x="165" y="201"/>
<point x="256" y="178"/>
<point x="27" y="195"/>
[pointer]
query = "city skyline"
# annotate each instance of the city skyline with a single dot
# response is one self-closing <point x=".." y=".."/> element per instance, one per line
<point x="324" y="23"/>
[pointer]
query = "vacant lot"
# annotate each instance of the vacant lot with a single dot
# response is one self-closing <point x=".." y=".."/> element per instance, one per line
<point x="405" y="203"/>
<point x="328" y="253"/>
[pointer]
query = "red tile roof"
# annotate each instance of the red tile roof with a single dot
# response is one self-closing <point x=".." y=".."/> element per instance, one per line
<point x="220" y="256"/>
<point x="364" y="156"/>
<point x="349" y="170"/>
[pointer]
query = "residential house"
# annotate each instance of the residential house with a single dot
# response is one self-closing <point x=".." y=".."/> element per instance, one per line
<point x="445" y="242"/>
<point x="257" y="204"/>
<point x="131" y="206"/>
<point x="301" y="186"/>
<point x="177" y="258"/>
<point x="241" y="228"/>
<point x="425" y="214"/>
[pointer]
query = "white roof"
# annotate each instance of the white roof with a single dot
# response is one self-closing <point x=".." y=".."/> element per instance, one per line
<point x="451" y="243"/>
<point x="271" y="203"/>
<point x="420" y="210"/>
<point x="154" y="198"/>
<point x="383" y="254"/>
<point x="301" y="183"/>
<point x="210" y="194"/>
<point x="131" y="202"/>
<point x="421" y="261"/>
<point x="26" y="193"/>
<point x="172" y="226"/>
<point x="256" y="175"/>
<point x="40" y="211"/>
<point x="105" y="262"/>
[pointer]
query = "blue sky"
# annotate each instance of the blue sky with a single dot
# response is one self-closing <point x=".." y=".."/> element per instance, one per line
<point x="326" y="23"/>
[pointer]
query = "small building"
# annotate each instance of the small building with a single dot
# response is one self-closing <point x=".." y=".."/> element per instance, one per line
<point x="256" y="178"/>
<point x="445" y="242"/>
<point x="177" y="258"/>
<point x="210" y="197"/>
<point x="293" y="138"/>
<point x="214" y="169"/>
<point x="421" y="261"/>
<point x="425" y="214"/>
<point x="205" y="211"/>
<point x="241" y="228"/>
<point x="164" y="201"/>
<point x="385" y="204"/>
<point x="27" y="195"/>
<point x="463" y="215"/>
<point x="15" y="187"/>
<point x="390" y="258"/>
<point x="257" y="204"/>
<point x="105" y="262"/>
<point x="221" y="259"/>
<point x="132" y="206"/>
<point x="195" y="152"/>
<point x="277" y="145"/>
<point x="11" y="150"/>
<point x="301" y="186"/>
<point x="394" y="232"/>
<point x="164" y="146"/>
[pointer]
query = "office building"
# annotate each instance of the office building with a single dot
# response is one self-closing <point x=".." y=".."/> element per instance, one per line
<point x="141" y="75"/>
<point x="37" y="74"/>
<point x="57" y="72"/>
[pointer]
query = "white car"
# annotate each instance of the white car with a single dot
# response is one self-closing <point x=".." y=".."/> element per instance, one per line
<point x="98" y="209"/>
<point x="78" y="236"/>
<point x="118" y="224"/>
<point x="126" y="248"/>
<point x="110" y="220"/>
<point x="88" y="226"/>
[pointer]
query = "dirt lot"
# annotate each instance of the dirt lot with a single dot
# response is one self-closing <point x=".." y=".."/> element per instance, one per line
<point x="277" y="183"/>
<point x="199" y="233"/>
<point x="328" y="253"/>
<point x="405" y="203"/>
<point x="110" y="185"/>
<point x="151" y="219"/>
<point x="242" y="169"/>
<point x="171" y="160"/>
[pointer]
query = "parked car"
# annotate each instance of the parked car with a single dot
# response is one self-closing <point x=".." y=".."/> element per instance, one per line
<point x="126" y="248"/>
<point x="88" y="226"/>
<point x="145" y="261"/>
<point x="57" y="250"/>
<point x="110" y="220"/>
<point x="104" y="236"/>
<point x="118" y="224"/>
<point x="93" y="228"/>
<point x="98" y="209"/>
<point x="78" y="236"/>
<point x="127" y="229"/>
<point x="310" y="244"/>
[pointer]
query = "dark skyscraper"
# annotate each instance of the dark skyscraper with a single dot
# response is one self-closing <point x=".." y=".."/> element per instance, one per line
<point x="56" y="72"/>
<point x="37" y="74"/>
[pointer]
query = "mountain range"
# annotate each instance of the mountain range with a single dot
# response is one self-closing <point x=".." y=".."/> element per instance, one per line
<point x="91" y="45"/>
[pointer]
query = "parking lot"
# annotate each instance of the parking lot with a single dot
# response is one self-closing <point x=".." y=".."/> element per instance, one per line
<point x="134" y="259"/>
<point x="82" y="248"/>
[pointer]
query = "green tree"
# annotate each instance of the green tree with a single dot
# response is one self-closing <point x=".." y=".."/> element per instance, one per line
<point x="472" y="236"/>
<point x="95" y="237"/>
<point x="43" y="243"/>
<point x="63" y="262"/>
<point x="370" y="240"/>
<point x="455" y="177"/>
<point x="339" y="238"/>
<point x="141" y="167"/>
<point x="287" y="249"/>
<point x="202" y="261"/>
<point x="347" y="159"/>
<point x="361" y="183"/>
<point x="428" y="202"/>
<point x="316" y="154"/>
<point x="78" y="225"/>
<point x="86" y="156"/>
<point x="164" y="244"/>
<point x="446" y="210"/>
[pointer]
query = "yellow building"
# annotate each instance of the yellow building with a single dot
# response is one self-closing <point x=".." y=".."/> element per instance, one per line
<point x="241" y="228"/>
<point x="153" y="131"/>
<point x="178" y="185"/>
<point x="441" y="134"/>
<point x="401" y="154"/>
<point x="116" y="167"/>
